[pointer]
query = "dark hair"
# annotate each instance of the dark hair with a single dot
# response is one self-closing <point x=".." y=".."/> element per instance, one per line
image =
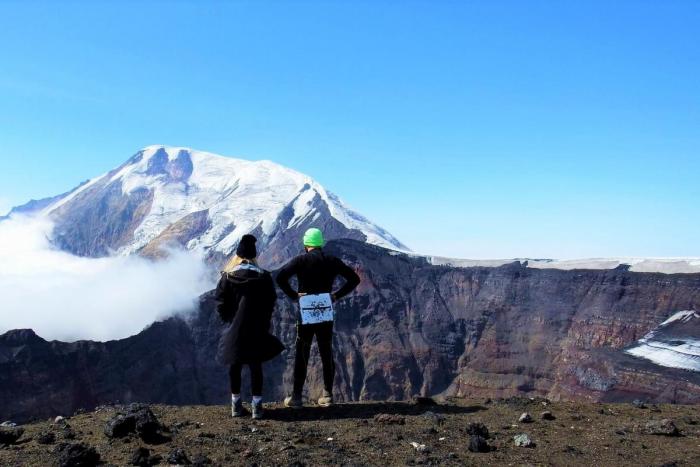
<point x="246" y="247"/>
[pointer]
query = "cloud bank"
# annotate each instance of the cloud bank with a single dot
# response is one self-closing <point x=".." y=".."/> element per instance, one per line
<point x="66" y="297"/>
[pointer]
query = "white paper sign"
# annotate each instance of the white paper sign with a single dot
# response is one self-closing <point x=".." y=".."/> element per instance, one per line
<point x="316" y="308"/>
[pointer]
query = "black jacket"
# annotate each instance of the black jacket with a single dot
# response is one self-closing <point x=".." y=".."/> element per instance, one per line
<point x="316" y="272"/>
<point x="246" y="299"/>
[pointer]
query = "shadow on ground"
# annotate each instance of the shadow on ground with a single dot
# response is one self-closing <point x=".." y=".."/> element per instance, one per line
<point x="363" y="411"/>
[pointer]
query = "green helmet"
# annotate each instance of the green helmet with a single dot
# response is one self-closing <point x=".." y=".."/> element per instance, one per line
<point x="313" y="238"/>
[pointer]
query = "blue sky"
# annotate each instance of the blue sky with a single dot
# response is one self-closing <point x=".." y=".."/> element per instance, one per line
<point x="473" y="129"/>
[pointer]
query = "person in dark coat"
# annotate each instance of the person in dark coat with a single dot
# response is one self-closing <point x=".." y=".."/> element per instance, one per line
<point x="316" y="272"/>
<point x="246" y="299"/>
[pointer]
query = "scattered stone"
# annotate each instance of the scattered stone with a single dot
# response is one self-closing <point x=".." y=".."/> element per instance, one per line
<point x="178" y="457"/>
<point x="547" y="415"/>
<point x="425" y="401"/>
<point x="59" y="420"/>
<point x="422" y="448"/>
<point x="77" y="455"/>
<point x="478" y="429"/>
<point x="200" y="460"/>
<point x="389" y="419"/>
<point x="525" y="418"/>
<point x="523" y="440"/>
<point x="10" y="434"/>
<point x="46" y="437"/>
<point x="141" y="457"/>
<point x="573" y="450"/>
<point x="437" y="418"/>
<point x="663" y="427"/>
<point x="639" y="404"/>
<point x="478" y="444"/>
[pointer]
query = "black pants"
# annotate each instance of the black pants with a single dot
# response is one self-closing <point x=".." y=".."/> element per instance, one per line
<point x="256" y="378"/>
<point x="324" y="339"/>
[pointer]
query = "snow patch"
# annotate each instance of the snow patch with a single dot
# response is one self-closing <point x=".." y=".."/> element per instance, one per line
<point x="685" y="354"/>
<point x="662" y="349"/>
<point x="662" y="265"/>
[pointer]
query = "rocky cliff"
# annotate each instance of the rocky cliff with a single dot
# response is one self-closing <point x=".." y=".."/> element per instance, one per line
<point x="411" y="328"/>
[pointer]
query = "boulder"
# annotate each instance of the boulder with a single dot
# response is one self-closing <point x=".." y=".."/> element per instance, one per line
<point x="478" y="429"/>
<point x="478" y="444"/>
<point x="10" y="434"/>
<point x="547" y="415"/>
<point x="77" y="455"/>
<point x="663" y="427"/>
<point x="120" y="426"/>
<point x="46" y="437"/>
<point x="525" y="418"/>
<point x="138" y="419"/>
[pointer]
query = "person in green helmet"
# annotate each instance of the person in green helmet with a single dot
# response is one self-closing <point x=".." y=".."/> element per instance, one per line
<point x="316" y="272"/>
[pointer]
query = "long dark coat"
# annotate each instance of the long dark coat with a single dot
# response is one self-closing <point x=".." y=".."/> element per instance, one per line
<point x="246" y="299"/>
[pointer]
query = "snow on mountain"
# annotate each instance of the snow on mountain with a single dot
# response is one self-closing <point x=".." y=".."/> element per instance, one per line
<point x="662" y="265"/>
<point x="205" y="201"/>
<point x="674" y="343"/>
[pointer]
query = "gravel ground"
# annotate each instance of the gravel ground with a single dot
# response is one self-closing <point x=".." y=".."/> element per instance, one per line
<point x="371" y="433"/>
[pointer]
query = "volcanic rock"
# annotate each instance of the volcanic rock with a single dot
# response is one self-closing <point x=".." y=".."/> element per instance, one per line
<point x="389" y="419"/>
<point x="478" y="429"/>
<point x="10" y="434"/>
<point x="478" y="444"/>
<point x="77" y="455"/>
<point x="178" y="457"/>
<point x="523" y="440"/>
<point x="663" y="427"/>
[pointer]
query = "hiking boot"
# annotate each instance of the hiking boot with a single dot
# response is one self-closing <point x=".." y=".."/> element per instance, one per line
<point x="293" y="401"/>
<point x="257" y="410"/>
<point x="326" y="399"/>
<point x="237" y="408"/>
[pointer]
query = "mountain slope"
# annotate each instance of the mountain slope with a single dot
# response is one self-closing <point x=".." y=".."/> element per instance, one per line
<point x="165" y="196"/>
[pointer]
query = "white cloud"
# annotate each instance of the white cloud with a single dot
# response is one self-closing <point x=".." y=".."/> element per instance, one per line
<point x="66" y="297"/>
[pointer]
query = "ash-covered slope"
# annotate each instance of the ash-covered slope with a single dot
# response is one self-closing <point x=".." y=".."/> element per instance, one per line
<point x="197" y="200"/>
<point x="411" y="328"/>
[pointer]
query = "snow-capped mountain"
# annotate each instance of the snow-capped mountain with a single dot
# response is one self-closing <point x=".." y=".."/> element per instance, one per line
<point x="674" y="343"/>
<point x="201" y="201"/>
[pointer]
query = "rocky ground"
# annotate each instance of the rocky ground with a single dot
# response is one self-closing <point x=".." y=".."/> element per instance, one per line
<point x="517" y="431"/>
